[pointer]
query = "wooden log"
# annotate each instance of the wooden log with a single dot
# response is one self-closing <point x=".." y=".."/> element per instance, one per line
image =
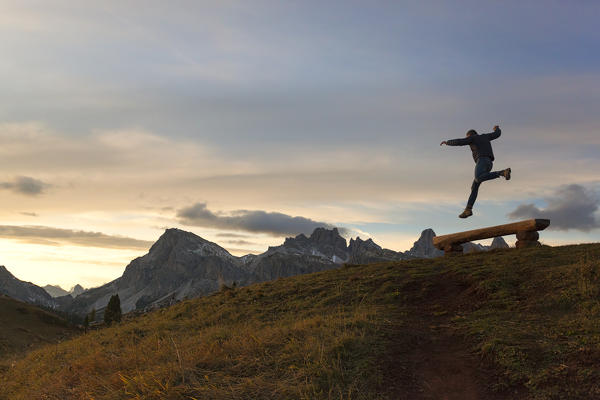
<point x="486" y="233"/>
<point x="528" y="235"/>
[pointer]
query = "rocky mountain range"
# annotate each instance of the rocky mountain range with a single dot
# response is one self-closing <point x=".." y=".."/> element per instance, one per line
<point x="57" y="291"/>
<point x="183" y="265"/>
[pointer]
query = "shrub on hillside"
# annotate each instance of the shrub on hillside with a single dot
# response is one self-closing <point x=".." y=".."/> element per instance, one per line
<point x="113" y="310"/>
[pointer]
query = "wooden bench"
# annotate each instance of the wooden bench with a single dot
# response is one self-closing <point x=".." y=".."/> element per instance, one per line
<point x="526" y="231"/>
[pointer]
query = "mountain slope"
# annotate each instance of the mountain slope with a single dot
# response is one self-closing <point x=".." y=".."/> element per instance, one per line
<point x="505" y="324"/>
<point x="25" y="327"/>
<point x="24" y="291"/>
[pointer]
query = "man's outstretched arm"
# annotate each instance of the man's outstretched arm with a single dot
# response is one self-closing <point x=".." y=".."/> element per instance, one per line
<point x="458" y="142"/>
<point x="494" y="135"/>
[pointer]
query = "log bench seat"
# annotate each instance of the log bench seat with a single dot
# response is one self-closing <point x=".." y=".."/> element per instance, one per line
<point x="526" y="231"/>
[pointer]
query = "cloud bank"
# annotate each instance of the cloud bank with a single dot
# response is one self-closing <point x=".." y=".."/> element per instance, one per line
<point x="257" y="221"/>
<point x="232" y="235"/>
<point x="25" y="185"/>
<point x="571" y="207"/>
<point x="57" y="236"/>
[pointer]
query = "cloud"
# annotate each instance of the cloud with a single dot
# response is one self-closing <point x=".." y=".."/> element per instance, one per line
<point x="241" y="242"/>
<point x="232" y="235"/>
<point x="28" y="213"/>
<point x="57" y="236"/>
<point x="25" y="185"/>
<point x="259" y="221"/>
<point x="571" y="207"/>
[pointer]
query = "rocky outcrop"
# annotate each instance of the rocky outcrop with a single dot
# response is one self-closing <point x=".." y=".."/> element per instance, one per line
<point x="499" y="243"/>
<point x="324" y="249"/>
<point x="423" y="247"/>
<point x="367" y="251"/>
<point x="323" y="243"/>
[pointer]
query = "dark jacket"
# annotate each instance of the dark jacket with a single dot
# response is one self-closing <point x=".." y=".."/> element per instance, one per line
<point x="480" y="144"/>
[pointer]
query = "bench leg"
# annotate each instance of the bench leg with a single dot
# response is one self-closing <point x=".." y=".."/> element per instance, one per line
<point x="527" y="239"/>
<point x="453" y="249"/>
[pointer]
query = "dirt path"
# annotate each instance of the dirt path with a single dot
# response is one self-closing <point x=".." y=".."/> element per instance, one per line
<point x="429" y="360"/>
<point x="444" y="369"/>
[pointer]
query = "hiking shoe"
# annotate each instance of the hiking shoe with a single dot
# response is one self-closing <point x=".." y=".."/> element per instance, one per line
<point x="506" y="174"/>
<point x="466" y="214"/>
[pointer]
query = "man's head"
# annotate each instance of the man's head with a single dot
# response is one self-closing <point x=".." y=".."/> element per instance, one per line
<point x="471" y="132"/>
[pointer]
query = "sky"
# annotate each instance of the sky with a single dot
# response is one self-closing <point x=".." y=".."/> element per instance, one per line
<point x="246" y="122"/>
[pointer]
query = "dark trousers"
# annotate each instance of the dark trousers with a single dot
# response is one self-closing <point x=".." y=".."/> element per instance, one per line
<point x="482" y="174"/>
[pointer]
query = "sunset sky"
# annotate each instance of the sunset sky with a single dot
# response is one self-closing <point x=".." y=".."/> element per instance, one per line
<point x="249" y="121"/>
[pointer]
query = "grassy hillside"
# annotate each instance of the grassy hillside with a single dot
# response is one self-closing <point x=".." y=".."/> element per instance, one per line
<point x="509" y="324"/>
<point x="24" y="327"/>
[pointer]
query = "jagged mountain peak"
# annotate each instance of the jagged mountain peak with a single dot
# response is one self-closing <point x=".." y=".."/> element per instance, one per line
<point x="424" y="247"/>
<point x="328" y="237"/>
<point x="55" y="290"/>
<point x="318" y="236"/>
<point x="58" y="291"/>
<point x="321" y="235"/>
<point x="178" y="240"/>
<point x="76" y="290"/>
<point x="173" y="235"/>
<point x="323" y="242"/>
<point x="428" y="233"/>
<point x="359" y="243"/>
<point x="367" y="251"/>
<point x="499" y="243"/>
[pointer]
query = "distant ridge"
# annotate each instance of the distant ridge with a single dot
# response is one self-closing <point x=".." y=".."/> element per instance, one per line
<point x="57" y="291"/>
<point x="182" y="265"/>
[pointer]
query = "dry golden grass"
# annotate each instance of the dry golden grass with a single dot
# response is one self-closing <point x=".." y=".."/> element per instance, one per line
<point x="314" y="336"/>
<point x="530" y="317"/>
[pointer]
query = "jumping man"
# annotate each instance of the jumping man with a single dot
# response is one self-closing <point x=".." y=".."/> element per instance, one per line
<point x="484" y="157"/>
